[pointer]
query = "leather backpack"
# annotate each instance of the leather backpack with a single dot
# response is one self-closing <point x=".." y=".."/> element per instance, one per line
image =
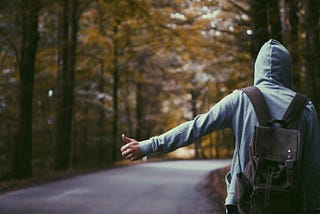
<point x="270" y="182"/>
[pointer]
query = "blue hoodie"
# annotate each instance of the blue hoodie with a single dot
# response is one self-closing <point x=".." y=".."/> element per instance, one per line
<point x="272" y="75"/>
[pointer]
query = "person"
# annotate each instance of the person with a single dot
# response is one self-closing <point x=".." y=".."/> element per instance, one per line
<point x="272" y="75"/>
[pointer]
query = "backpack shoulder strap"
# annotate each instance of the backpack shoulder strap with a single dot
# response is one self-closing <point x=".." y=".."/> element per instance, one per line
<point x="259" y="104"/>
<point x="294" y="111"/>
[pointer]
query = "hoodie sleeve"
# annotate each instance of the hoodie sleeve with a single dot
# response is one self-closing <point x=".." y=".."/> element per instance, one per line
<point x="217" y="118"/>
<point x="311" y="162"/>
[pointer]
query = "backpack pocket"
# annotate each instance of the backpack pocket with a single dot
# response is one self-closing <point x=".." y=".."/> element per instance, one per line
<point x="273" y="201"/>
<point x="243" y="192"/>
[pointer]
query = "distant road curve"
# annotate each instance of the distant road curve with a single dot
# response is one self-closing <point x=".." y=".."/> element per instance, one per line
<point x="168" y="187"/>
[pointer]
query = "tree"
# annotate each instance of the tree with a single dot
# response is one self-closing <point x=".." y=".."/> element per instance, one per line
<point x="294" y="42"/>
<point x="274" y="19"/>
<point x="67" y="56"/>
<point x="266" y="23"/>
<point x="22" y="162"/>
<point x="312" y="18"/>
<point x="116" y="74"/>
<point x="258" y="15"/>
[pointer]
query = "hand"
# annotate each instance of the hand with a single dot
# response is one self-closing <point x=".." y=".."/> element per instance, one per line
<point x="131" y="150"/>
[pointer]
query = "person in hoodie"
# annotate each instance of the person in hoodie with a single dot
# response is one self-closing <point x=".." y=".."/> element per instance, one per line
<point x="272" y="75"/>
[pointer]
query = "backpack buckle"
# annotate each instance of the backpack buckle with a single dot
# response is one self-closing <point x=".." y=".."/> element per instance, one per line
<point x="289" y="164"/>
<point x="290" y="179"/>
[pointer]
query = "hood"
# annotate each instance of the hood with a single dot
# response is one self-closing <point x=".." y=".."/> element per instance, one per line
<point x="273" y="65"/>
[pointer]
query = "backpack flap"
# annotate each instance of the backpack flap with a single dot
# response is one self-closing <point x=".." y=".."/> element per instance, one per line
<point x="276" y="144"/>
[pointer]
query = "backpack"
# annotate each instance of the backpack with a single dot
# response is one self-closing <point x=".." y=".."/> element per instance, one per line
<point x="270" y="182"/>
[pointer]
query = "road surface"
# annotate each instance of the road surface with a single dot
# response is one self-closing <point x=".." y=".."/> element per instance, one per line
<point x="169" y="187"/>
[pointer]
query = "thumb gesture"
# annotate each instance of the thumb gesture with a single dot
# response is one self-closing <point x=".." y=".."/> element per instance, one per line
<point x="131" y="150"/>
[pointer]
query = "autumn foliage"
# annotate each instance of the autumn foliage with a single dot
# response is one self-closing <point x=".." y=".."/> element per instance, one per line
<point x="102" y="68"/>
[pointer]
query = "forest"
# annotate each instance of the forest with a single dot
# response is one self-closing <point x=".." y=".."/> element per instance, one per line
<point x="76" y="74"/>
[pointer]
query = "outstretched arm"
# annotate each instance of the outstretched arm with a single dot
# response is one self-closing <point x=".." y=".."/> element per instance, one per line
<point x="218" y="117"/>
<point x="131" y="150"/>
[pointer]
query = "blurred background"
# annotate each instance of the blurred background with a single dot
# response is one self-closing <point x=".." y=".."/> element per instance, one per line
<point x="76" y="74"/>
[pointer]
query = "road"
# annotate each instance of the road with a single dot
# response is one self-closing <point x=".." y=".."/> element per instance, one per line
<point x="168" y="187"/>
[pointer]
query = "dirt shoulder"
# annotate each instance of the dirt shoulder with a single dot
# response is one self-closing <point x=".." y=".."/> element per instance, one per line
<point x="215" y="188"/>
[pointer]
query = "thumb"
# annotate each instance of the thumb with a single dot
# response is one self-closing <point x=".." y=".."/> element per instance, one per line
<point x="126" y="139"/>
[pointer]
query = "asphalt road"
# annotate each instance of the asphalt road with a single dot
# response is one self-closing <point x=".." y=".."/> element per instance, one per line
<point x="169" y="187"/>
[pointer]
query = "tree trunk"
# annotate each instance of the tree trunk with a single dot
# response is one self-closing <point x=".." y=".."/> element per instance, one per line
<point x="212" y="145"/>
<point x="22" y="160"/>
<point x="115" y="94"/>
<point x="217" y="144"/>
<point x="127" y="110"/>
<point x="274" y="19"/>
<point x="313" y="50"/>
<point x="258" y="14"/>
<point x="66" y="84"/>
<point x="197" y="144"/>
<point x="139" y="111"/>
<point x="101" y="119"/>
<point x="143" y="126"/>
<point x="294" y="43"/>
